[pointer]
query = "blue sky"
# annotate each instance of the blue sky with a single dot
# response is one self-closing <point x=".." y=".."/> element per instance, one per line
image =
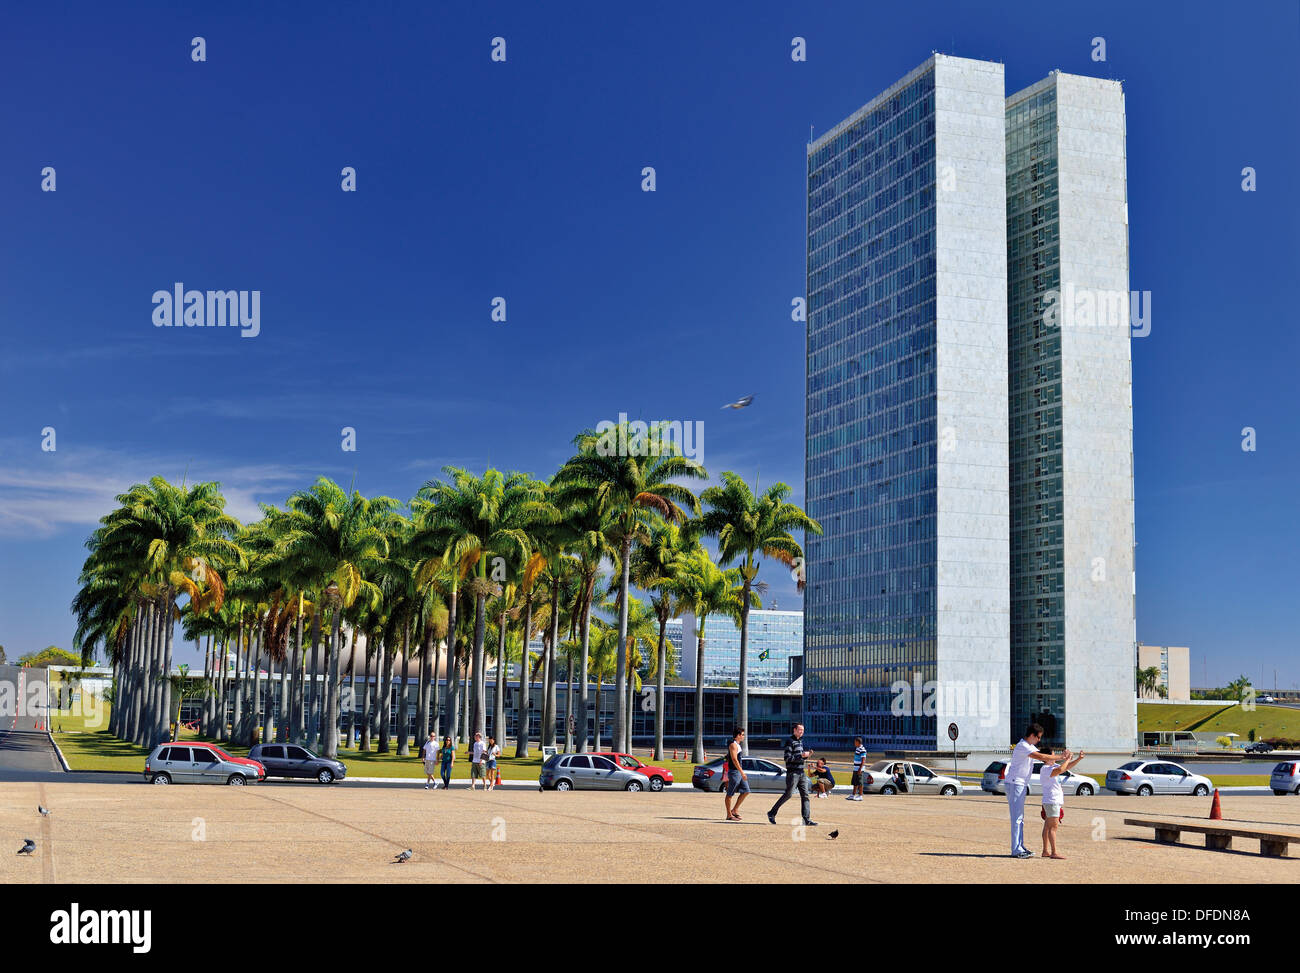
<point x="522" y="180"/>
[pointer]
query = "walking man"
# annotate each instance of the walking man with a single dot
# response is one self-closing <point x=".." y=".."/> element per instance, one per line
<point x="1018" y="771"/>
<point x="737" y="782"/>
<point x="795" y="757"/>
<point x="476" y="751"/>
<point x="429" y="754"/>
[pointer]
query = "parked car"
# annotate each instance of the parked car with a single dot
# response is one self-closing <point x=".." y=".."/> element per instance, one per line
<point x="659" y="777"/>
<point x="199" y="763"/>
<point x="879" y="779"/>
<point x="288" y="760"/>
<point x="1259" y="746"/>
<point x="763" y="775"/>
<point x="1285" y="778"/>
<point x="588" y="772"/>
<point x="995" y="780"/>
<point x="1147" y="777"/>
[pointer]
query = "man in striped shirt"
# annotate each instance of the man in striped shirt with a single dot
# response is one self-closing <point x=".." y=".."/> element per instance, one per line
<point x="859" y="757"/>
<point x="795" y="776"/>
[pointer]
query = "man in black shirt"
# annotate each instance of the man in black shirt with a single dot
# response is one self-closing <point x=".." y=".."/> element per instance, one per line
<point x="795" y="756"/>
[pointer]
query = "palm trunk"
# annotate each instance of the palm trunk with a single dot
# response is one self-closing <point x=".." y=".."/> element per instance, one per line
<point x="365" y="712"/>
<point x="286" y="699"/>
<point x="268" y="720"/>
<point x="600" y="703"/>
<point x="620" y="672"/>
<point x="698" y="755"/>
<point x="499" y="704"/>
<point x="453" y="692"/>
<point x="329" y="731"/>
<point x="583" y="675"/>
<point x="435" y="702"/>
<point x="422" y="695"/>
<point x="480" y="680"/>
<point x="256" y="709"/>
<point x="314" y="685"/>
<point x="744" y="669"/>
<point x="237" y="720"/>
<point x="466" y="697"/>
<point x="403" y="707"/>
<point x="385" y="700"/>
<point x="525" y="684"/>
<point x="352" y="691"/>
<point x="548" y="707"/>
<point x="570" y="721"/>
<point x="659" y="689"/>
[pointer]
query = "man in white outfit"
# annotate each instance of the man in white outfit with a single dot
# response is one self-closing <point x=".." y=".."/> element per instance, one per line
<point x="1018" y="771"/>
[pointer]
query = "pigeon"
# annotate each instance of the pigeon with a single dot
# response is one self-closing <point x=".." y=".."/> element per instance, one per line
<point x="45" y="811"/>
<point x="739" y="403"/>
<point x="28" y="847"/>
<point x="403" y="857"/>
<point x="834" y="834"/>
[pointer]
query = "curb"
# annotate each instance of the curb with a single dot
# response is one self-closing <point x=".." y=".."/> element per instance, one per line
<point x="62" y="760"/>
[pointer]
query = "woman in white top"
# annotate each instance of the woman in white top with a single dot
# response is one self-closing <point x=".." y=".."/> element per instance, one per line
<point x="1054" y="798"/>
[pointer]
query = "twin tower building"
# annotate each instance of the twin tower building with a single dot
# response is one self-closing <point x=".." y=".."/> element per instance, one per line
<point x="970" y="416"/>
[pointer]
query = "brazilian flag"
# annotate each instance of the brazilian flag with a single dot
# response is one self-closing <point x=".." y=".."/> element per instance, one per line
<point x="762" y="656"/>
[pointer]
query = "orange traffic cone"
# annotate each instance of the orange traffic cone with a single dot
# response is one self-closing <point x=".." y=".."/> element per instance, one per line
<point x="498" y="782"/>
<point x="1216" y="813"/>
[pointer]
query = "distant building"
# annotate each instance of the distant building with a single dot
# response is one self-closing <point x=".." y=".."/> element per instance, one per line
<point x="774" y="636"/>
<point x="1173" y="661"/>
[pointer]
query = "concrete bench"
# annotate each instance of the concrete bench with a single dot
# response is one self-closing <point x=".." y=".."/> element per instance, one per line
<point x="1219" y="834"/>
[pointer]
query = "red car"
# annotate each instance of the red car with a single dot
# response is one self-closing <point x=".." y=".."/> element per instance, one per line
<point x="659" y="778"/>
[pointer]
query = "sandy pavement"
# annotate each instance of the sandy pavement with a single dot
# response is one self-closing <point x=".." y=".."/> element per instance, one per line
<point x="277" y="832"/>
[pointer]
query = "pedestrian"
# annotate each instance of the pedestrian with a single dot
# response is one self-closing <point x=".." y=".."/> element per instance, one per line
<point x="491" y="755"/>
<point x="476" y="751"/>
<point x="736" y="782"/>
<point x="1054" y="799"/>
<point x="859" y="758"/>
<point x="429" y="754"/>
<point x="448" y="756"/>
<point x="1017" y="783"/>
<point x="823" y="781"/>
<point x="795" y="776"/>
<point x="900" y="778"/>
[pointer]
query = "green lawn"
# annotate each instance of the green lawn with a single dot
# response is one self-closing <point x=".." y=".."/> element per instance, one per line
<point x="1158" y="716"/>
<point x="1266" y="721"/>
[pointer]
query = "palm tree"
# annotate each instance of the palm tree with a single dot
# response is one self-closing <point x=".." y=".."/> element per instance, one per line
<point x="340" y="541"/>
<point x="631" y="491"/>
<point x="656" y="569"/>
<point x="705" y="589"/>
<point x="745" y="526"/>
<point x="168" y="541"/>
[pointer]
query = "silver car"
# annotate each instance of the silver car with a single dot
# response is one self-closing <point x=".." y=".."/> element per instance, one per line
<point x="995" y="780"/>
<point x="763" y="775"/>
<point x="1147" y="777"/>
<point x="588" y="772"/>
<point x="1285" y="778"/>
<point x="879" y="779"/>
<point x="199" y="763"/>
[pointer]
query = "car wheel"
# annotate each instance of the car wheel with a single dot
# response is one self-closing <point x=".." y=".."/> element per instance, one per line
<point x="1279" y="793"/>
<point x="1084" y="791"/>
<point x="634" y="785"/>
<point x="1296" y="792"/>
<point x="1201" y="791"/>
<point x="164" y="779"/>
<point x="564" y="785"/>
<point x="1145" y="791"/>
<point x="326" y="776"/>
<point x="656" y="784"/>
<point x="236" y="780"/>
<point x="888" y="789"/>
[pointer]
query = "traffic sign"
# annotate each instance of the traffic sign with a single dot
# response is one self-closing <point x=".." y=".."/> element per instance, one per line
<point x="952" y="732"/>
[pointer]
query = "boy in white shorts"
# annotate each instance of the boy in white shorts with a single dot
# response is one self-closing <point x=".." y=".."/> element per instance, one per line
<point x="1054" y="798"/>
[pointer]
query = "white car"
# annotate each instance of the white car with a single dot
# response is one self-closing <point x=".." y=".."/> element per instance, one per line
<point x="995" y="780"/>
<point x="1285" y="778"/>
<point x="1147" y="777"/>
<point x="879" y="779"/>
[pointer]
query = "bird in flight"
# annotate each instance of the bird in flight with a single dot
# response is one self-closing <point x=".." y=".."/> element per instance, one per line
<point x="28" y="847"/>
<point x="403" y="857"/>
<point x="43" y="809"/>
<point x="834" y="834"/>
<point x="739" y="403"/>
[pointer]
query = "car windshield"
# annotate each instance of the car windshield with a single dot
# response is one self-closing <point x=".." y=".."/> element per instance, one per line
<point x="219" y="752"/>
<point x="630" y="762"/>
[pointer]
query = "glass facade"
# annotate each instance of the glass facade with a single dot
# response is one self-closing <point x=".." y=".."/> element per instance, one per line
<point x="776" y="633"/>
<point x="1035" y="418"/>
<point x="870" y="473"/>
